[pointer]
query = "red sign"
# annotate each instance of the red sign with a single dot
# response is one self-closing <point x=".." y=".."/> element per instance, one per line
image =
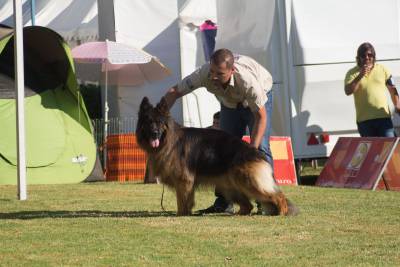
<point x="359" y="162"/>
<point x="282" y="153"/>
<point x="391" y="175"/>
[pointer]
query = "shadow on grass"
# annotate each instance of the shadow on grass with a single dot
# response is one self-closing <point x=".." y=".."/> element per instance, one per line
<point x="44" y="214"/>
<point x="28" y="215"/>
<point x="308" y="180"/>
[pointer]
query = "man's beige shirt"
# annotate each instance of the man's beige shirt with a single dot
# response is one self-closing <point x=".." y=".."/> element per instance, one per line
<point x="248" y="85"/>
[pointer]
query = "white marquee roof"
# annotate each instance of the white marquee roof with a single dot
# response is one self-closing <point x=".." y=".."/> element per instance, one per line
<point x="75" y="20"/>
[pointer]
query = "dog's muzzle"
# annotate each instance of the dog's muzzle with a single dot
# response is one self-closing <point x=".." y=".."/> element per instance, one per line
<point x="155" y="138"/>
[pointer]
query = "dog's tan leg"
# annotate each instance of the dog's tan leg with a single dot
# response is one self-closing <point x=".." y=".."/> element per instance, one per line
<point x="269" y="208"/>
<point x="243" y="201"/>
<point x="245" y="207"/>
<point x="280" y="201"/>
<point x="236" y="196"/>
<point x="264" y="188"/>
<point x="273" y="204"/>
<point x="184" y="198"/>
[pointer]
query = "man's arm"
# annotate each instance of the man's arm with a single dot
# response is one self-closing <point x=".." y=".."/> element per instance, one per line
<point x="172" y="95"/>
<point x="260" y="123"/>
<point x="188" y="84"/>
<point x="395" y="97"/>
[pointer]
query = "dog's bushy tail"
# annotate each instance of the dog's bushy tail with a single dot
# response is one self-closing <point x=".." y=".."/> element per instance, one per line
<point x="293" y="210"/>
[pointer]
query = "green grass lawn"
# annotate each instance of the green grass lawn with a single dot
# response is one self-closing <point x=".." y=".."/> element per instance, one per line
<point x="111" y="224"/>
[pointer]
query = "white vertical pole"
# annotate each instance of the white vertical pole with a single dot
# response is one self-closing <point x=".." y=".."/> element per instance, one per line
<point x="19" y="88"/>
<point x="106" y="109"/>
<point x="105" y="62"/>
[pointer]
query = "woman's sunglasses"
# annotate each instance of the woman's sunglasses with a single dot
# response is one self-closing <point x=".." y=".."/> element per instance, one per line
<point x="370" y="55"/>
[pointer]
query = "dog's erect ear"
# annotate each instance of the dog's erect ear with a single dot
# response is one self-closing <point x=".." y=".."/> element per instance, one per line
<point x="145" y="106"/>
<point x="162" y="107"/>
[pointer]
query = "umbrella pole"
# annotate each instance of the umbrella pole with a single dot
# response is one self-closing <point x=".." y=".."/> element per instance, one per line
<point x="105" y="119"/>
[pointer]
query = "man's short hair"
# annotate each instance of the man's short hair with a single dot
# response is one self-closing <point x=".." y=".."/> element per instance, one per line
<point x="216" y="115"/>
<point x="222" y="55"/>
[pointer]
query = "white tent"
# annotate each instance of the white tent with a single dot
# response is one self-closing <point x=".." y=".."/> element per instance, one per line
<point x="282" y="35"/>
<point x="308" y="53"/>
<point x="167" y="29"/>
<point x="75" y="20"/>
<point x="308" y="56"/>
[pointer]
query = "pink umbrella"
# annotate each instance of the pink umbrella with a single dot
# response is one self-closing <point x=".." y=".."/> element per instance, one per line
<point x="122" y="65"/>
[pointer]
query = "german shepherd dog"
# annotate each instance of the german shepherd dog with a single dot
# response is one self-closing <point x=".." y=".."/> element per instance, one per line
<point x="185" y="158"/>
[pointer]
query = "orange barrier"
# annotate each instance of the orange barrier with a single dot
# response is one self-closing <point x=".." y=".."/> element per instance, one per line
<point x="125" y="160"/>
<point x="282" y="153"/>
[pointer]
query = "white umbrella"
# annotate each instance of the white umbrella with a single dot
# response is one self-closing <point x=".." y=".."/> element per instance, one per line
<point x="122" y="64"/>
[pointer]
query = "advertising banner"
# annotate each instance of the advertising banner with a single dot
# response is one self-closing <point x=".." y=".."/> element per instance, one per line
<point x="365" y="163"/>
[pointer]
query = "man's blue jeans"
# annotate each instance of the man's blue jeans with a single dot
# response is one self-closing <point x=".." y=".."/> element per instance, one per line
<point x="237" y="121"/>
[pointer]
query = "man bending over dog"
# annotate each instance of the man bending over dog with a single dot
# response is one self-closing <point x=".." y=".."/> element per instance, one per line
<point x="243" y="87"/>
